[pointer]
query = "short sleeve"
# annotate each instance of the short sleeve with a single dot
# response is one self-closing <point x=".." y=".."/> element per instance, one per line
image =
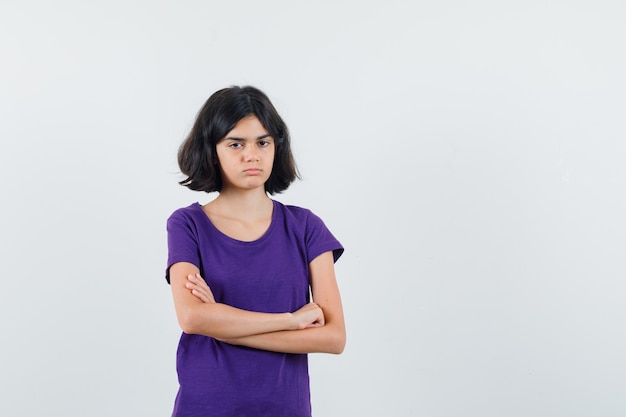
<point x="182" y="241"/>
<point x="319" y="239"/>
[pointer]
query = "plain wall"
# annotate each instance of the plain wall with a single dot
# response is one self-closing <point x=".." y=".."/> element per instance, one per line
<point x="469" y="155"/>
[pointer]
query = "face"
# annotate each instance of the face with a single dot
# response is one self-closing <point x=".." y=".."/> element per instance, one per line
<point x="246" y="155"/>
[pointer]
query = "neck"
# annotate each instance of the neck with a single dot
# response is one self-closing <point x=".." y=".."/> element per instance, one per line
<point x="246" y="204"/>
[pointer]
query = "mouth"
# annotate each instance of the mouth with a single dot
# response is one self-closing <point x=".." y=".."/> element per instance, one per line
<point x="252" y="171"/>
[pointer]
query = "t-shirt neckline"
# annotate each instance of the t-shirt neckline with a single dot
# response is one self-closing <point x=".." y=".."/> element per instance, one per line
<point x="262" y="238"/>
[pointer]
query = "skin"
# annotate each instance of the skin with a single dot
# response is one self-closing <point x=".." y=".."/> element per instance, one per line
<point x="243" y="211"/>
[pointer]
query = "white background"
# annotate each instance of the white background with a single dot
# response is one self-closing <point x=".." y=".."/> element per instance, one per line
<point x="469" y="155"/>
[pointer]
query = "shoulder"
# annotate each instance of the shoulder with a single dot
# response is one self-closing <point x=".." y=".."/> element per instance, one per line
<point x="300" y="218"/>
<point x="308" y="226"/>
<point x="295" y="214"/>
<point x="185" y="215"/>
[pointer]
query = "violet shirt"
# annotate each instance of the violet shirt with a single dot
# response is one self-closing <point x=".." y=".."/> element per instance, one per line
<point x="267" y="275"/>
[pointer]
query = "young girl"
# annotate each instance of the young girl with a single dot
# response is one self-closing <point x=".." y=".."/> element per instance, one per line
<point x="241" y="267"/>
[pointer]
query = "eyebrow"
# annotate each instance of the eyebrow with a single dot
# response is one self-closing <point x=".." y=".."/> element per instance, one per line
<point x="243" y="139"/>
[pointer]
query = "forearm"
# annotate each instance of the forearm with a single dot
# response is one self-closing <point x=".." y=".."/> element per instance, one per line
<point x="327" y="339"/>
<point x="223" y="322"/>
<point x="198" y="313"/>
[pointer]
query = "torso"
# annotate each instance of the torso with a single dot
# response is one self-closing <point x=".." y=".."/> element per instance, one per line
<point x="270" y="275"/>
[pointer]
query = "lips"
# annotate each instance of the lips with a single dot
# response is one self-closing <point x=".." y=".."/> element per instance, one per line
<point x="252" y="171"/>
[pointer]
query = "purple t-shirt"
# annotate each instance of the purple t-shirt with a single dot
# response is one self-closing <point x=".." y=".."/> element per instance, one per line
<point x="267" y="275"/>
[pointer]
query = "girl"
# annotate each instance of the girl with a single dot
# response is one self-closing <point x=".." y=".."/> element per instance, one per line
<point x="241" y="268"/>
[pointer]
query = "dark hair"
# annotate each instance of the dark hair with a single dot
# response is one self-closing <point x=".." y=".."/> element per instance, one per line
<point x="197" y="157"/>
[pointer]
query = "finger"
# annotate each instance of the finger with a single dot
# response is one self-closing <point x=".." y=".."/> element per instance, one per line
<point x="201" y="291"/>
<point x="321" y="320"/>
<point x="194" y="287"/>
<point x="195" y="278"/>
<point x="198" y="280"/>
<point x="200" y="295"/>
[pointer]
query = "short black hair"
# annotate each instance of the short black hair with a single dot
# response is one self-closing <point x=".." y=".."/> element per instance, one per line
<point x="197" y="156"/>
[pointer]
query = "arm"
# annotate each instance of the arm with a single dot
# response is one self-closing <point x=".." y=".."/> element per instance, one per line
<point x="206" y="317"/>
<point x="329" y="338"/>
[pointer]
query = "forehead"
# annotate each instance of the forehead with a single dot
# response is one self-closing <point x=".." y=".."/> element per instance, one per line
<point x="248" y="127"/>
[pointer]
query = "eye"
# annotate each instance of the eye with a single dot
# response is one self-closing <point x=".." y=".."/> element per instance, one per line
<point x="235" y="145"/>
<point x="264" y="143"/>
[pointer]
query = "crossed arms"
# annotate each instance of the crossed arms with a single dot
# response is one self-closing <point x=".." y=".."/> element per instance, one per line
<point x="316" y="327"/>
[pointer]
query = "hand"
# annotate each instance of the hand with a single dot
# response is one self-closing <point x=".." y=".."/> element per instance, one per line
<point x="199" y="288"/>
<point x="310" y="315"/>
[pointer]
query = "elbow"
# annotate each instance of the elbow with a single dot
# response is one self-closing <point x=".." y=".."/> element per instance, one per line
<point x="188" y="322"/>
<point x="338" y="343"/>
<point x="187" y="326"/>
<point x="340" y="346"/>
<point x="338" y="349"/>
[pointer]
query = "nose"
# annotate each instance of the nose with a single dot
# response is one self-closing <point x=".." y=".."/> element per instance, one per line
<point x="250" y="154"/>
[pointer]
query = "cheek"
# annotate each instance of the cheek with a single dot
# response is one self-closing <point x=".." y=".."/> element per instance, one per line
<point x="271" y="155"/>
<point x="223" y="159"/>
